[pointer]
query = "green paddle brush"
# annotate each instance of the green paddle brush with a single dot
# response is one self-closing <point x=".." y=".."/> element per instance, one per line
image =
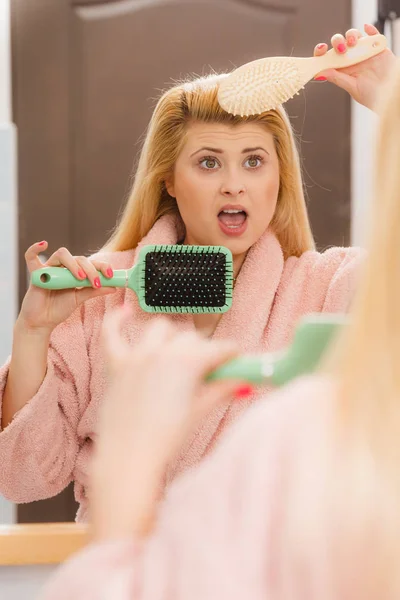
<point x="166" y="279"/>
<point x="312" y="336"/>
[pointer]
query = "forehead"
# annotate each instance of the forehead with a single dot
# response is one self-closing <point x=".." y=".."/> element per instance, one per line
<point x="225" y="136"/>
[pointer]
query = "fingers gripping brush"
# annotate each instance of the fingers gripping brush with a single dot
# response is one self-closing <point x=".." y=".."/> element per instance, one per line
<point x="312" y="337"/>
<point x="166" y="279"/>
<point x="264" y="84"/>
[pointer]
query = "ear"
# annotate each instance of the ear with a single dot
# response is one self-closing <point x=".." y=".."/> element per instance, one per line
<point x="169" y="185"/>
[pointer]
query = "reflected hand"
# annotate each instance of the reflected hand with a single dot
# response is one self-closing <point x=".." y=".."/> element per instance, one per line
<point x="362" y="81"/>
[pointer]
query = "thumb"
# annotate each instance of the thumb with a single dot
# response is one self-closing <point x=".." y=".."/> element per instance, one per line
<point x="339" y="78"/>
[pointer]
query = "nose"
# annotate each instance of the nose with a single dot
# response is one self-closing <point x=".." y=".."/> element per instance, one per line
<point x="232" y="186"/>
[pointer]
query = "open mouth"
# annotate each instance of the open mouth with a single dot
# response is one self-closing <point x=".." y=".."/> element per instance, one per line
<point x="232" y="221"/>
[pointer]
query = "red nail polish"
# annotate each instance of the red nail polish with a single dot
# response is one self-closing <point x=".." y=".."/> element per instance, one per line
<point x="42" y="243"/>
<point x="81" y="274"/>
<point x="320" y="46"/>
<point x="320" y="78"/>
<point x="351" y="40"/>
<point x="243" y="391"/>
<point x="342" y="48"/>
<point x="97" y="282"/>
<point x="110" y="272"/>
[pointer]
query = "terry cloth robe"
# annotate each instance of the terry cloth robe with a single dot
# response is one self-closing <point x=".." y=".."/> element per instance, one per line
<point x="49" y="442"/>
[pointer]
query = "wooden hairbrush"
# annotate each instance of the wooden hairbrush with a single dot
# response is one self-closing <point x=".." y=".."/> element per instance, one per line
<point x="264" y="84"/>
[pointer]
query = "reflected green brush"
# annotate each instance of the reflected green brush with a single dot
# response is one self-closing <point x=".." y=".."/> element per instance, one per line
<point x="166" y="279"/>
<point x="312" y="336"/>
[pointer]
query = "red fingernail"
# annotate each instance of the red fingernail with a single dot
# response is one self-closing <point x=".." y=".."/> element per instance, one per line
<point x="97" y="282"/>
<point x="110" y="272"/>
<point x="243" y="391"/>
<point x="351" y="40"/>
<point x="320" y="78"/>
<point x="342" y="48"/>
<point x="81" y="274"/>
<point x="320" y="46"/>
<point x="42" y="243"/>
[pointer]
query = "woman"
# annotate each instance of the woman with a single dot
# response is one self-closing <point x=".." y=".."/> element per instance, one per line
<point x="198" y="163"/>
<point x="300" y="500"/>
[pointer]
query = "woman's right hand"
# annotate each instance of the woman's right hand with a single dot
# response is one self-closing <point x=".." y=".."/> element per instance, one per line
<point x="157" y="390"/>
<point x="156" y="398"/>
<point x="42" y="310"/>
<point x="362" y="81"/>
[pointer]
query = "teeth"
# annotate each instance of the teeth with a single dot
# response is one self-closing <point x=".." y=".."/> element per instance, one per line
<point x="232" y="211"/>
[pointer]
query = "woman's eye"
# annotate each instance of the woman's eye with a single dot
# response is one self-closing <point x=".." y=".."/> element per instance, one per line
<point x="209" y="163"/>
<point x="253" y="162"/>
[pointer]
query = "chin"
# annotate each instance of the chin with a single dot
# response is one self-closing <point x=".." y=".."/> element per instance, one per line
<point x="239" y="245"/>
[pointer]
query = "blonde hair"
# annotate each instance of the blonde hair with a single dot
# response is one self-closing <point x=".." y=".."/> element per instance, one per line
<point x="351" y="515"/>
<point x="371" y="343"/>
<point x="197" y="101"/>
<point x="367" y="360"/>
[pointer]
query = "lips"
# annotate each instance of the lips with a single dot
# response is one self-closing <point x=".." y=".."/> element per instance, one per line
<point x="233" y="219"/>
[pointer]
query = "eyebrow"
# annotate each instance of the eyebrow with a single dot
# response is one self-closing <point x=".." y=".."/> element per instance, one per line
<point x="219" y="151"/>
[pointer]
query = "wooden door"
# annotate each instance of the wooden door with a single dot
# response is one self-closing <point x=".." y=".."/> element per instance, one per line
<point x="86" y="75"/>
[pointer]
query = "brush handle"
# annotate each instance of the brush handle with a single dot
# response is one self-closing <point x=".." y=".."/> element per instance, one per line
<point x="274" y="369"/>
<point x="60" y="278"/>
<point x="312" y="336"/>
<point x="245" y="368"/>
<point x="366" y="47"/>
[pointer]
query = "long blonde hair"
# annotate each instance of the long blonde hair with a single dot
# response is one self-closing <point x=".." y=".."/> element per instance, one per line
<point x="197" y="101"/>
<point x="367" y="359"/>
<point x="348" y="509"/>
<point x="371" y="344"/>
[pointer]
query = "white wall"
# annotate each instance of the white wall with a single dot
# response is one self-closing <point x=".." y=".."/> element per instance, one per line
<point x="396" y="41"/>
<point x="22" y="582"/>
<point x="364" y="124"/>
<point x="8" y="203"/>
<point x="362" y="135"/>
<point x="5" y="71"/>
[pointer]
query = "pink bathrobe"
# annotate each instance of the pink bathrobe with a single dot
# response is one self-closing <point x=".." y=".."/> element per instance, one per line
<point x="256" y="520"/>
<point x="49" y="442"/>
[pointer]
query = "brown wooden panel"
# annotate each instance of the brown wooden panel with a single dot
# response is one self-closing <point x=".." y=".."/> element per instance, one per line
<point x="140" y="4"/>
<point x="91" y="2"/>
<point x="60" y="508"/>
<point x="40" y="46"/>
<point x="321" y="117"/>
<point x="114" y="82"/>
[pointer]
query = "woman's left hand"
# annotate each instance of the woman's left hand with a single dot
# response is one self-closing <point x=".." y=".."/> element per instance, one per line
<point x="364" y="80"/>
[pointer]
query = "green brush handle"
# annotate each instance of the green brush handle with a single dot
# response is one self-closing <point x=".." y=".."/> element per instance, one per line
<point x="312" y="337"/>
<point x="245" y="368"/>
<point x="59" y="278"/>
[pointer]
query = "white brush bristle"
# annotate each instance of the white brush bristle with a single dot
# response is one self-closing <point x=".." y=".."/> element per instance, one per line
<point x="259" y="86"/>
